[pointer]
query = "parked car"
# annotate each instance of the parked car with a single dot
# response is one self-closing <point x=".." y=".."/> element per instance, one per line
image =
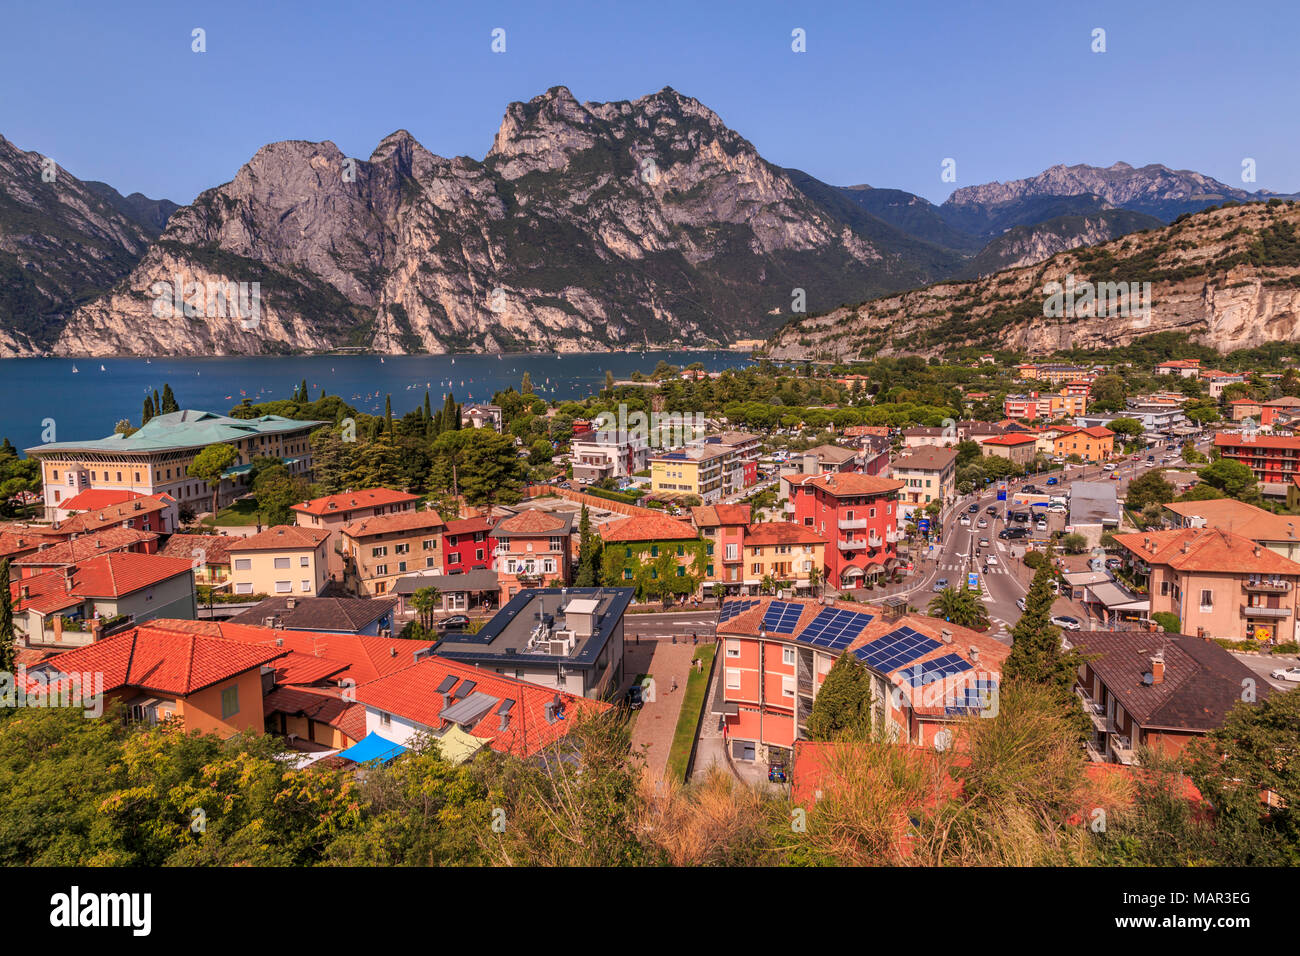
<point x="1053" y="480"/>
<point x="1020" y="603"/>
<point x="454" y="623"/>
<point x="776" y="771"/>
<point x="1041" y="525"/>
<point x="1067" y="622"/>
<point x="635" y="697"/>
<point x="1113" y="564"/>
<point x="1286" y="673"/>
<point x="940" y="584"/>
<point x="1057" y="510"/>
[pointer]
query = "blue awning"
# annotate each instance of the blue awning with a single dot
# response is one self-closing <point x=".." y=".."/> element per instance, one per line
<point x="373" y="747"/>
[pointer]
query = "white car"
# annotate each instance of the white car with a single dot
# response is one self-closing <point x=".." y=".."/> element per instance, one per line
<point x="1286" y="673"/>
<point x="1067" y="623"/>
<point x="1041" y="526"/>
<point x="1058" y="510"/>
<point x="1108" y="467"/>
<point x="991" y="560"/>
<point x="963" y="520"/>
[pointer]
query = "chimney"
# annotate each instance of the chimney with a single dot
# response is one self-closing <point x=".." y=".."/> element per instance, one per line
<point x="1158" y="668"/>
<point x="291" y="603"/>
<point x="974" y="654"/>
<point x="392" y="652"/>
<point x="279" y="642"/>
<point x="26" y="591"/>
<point x="946" y="635"/>
<point x="1258" y="552"/>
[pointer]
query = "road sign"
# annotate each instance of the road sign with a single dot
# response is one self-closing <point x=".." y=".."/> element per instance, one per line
<point x="923" y="525"/>
<point x="973" y="580"/>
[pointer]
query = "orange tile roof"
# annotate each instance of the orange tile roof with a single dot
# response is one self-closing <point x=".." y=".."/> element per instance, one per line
<point x="14" y="543"/>
<point x="365" y="657"/>
<point x="715" y="516"/>
<point x="647" y="528"/>
<point x="1206" y="549"/>
<point x="1229" y="514"/>
<point x="281" y="537"/>
<point x="92" y="499"/>
<point x="468" y="525"/>
<point x="213" y="548"/>
<point x="1257" y="440"/>
<point x="350" y="500"/>
<point x="849" y="484"/>
<point x="412" y="694"/>
<point x="1019" y="438"/>
<point x="84" y="547"/>
<point x="780" y="532"/>
<point x="109" y="575"/>
<point x="164" y="661"/>
<point x="401" y="521"/>
<point x="531" y="521"/>
<point x="321" y="705"/>
<point x="86" y="521"/>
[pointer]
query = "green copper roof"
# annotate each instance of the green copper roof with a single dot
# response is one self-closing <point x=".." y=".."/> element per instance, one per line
<point x="183" y="429"/>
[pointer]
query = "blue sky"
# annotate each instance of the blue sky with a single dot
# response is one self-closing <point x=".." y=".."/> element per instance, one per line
<point x="883" y="94"/>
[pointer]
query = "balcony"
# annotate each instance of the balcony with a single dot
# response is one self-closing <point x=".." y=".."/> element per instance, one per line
<point x="1269" y="612"/>
<point x="1267" y="587"/>
<point x="788" y="507"/>
<point x="858" y="545"/>
<point x="1122" y="747"/>
<point x="1094" y="710"/>
<point x="874" y="540"/>
<point x="856" y="524"/>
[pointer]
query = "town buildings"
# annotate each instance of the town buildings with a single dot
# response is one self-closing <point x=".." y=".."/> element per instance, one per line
<point x="1017" y="448"/>
<point x="1095" y="444"/>
<point x="1218" y="584"/>
<point x="601" y="455"/>
<point x="466" y="545"/>
<point x="284" y="559"/>
<point x="208" y="553"/>
<point x="925" y="673"/>
<point x="481" y="416"/>
<point x="531" y="548"/>
<point x="1271" y="458"/>
<point x="155" y="458"/>
<point x="790" y="555"/>
<point x="1033" y="406"/>
<point x="334" y="512"/>
<point x="926" y="475"/>
<point x="857" y="515"/>
<point x="357" y="617"/>
<point x="1151" y="689"/>
<point x="567" y="639"/>
<point x="724" y="526"/>
<point x="740" y="452"/>
<point x="1279" y="533"/>
<point x="378" y="551"/>
<point x="695" y="470"/>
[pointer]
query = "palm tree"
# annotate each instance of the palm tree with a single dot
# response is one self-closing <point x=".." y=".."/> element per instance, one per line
<point x="768" y="584"/>
<point x="425" y="601"/>
<point x="814" y="580"/>
<point x="960" y="606"/>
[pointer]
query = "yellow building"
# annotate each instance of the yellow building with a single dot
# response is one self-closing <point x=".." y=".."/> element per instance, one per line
<point x="693" y="471"/>
<point x="1090" y="444"/>
<point x="284" y="559"/>
<point x="156" y="458"/>
<point x="786" y="551"/>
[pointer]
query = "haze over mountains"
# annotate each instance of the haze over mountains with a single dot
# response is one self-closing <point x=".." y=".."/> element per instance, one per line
<point x="586" y="226"/>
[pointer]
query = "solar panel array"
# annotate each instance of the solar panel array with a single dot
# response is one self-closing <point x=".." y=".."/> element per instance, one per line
<point x="973" y="698"/>
<point x="896" y="649"/>
<point x="835" y="628"/>
<point x="732" y="608"/>
<point x="936" y="669"/>
<point x="781" y="617"/>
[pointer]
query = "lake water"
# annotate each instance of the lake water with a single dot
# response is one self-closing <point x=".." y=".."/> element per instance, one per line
<point x="90" y="402"/>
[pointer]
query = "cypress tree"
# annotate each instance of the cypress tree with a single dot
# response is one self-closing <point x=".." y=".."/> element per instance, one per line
<point x="169" y="400"/>
<point x="303" y="389"/>
<point x="842" y="710"/>
<point x="157" y="403"/>
<point x="148" y="412"/>
<point x="7" y="652"/>
<point x="428" y="409"/>
<point x="388" y="414"/>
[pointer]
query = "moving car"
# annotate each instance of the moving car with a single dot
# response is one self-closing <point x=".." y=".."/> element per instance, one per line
<point x="1286" y="673"/>
<point x="982" y="523"/>
<point x="1109" y="466"/>
<point x="974" y="508"/>
<point x="1053" y="480"/>
<point x="1067" y="622"/>
<point x="992" y="511"/>
<point x="940" y="584"/>
<point x="984" y="542"/>
<point x="990" y="561"/>
<point x="964" y="519"/>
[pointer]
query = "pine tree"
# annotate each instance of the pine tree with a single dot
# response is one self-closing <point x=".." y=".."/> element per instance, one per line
<point x="450" y="413"/>
<point x="388" y="414"/>
<point x="588" y="553"/>
<point x="169" y="404"/>
<point x="148" y="412"/>
<point x="609" y="380"/>
<point x="7" y="651"/>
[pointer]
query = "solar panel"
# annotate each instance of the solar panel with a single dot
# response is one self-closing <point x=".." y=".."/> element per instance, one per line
<point x="972" y="698"/>
<point x="448" y="683"/>
<point x="936" y="669"/>
<point x="731" y="609"/>
<point x="896" y="649"/>
<point x="781" y="617"/>
<point x="835" y="628"/>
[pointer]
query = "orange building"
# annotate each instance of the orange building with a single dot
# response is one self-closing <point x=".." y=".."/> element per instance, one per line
<point x="1091" y="444"/>
<point x="378" y="551"/>
<point x="334" y="512"/>
<point x="532" y="548"/>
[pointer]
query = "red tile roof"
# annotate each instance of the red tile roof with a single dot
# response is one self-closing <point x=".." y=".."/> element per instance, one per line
<point x="364" y="657"/>
<point x="1257" y="440"/>
<point x="347" y="501"/>
<point x="281" y="537"/>
<point x="401" y="521"/>
<point x="137" y="508"/>
<point x="164" y="661"/>
<point x="780" y="532"/>
<point x="647" y="528"/>
<point x="109" y="575"/>
<point x="84" y="547"/>
<point x="531" y="521"/>
<point x="851" y="484"/>
<point x="212" y="548"/>
<point x="1206" y="549"/>
<point x="412" y="694"/>
<point x="1009" y="440"/>
<point x="716" y="516"/>
<point x="93" y="499"/>
<point x="13" y="543"/>
<point x="468" y="526"/>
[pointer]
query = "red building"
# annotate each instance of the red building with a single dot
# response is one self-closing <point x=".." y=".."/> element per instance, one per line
<point x="858" y="517"/>
<point x="466" y="546"/>
<point x="1272" y="458"/>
